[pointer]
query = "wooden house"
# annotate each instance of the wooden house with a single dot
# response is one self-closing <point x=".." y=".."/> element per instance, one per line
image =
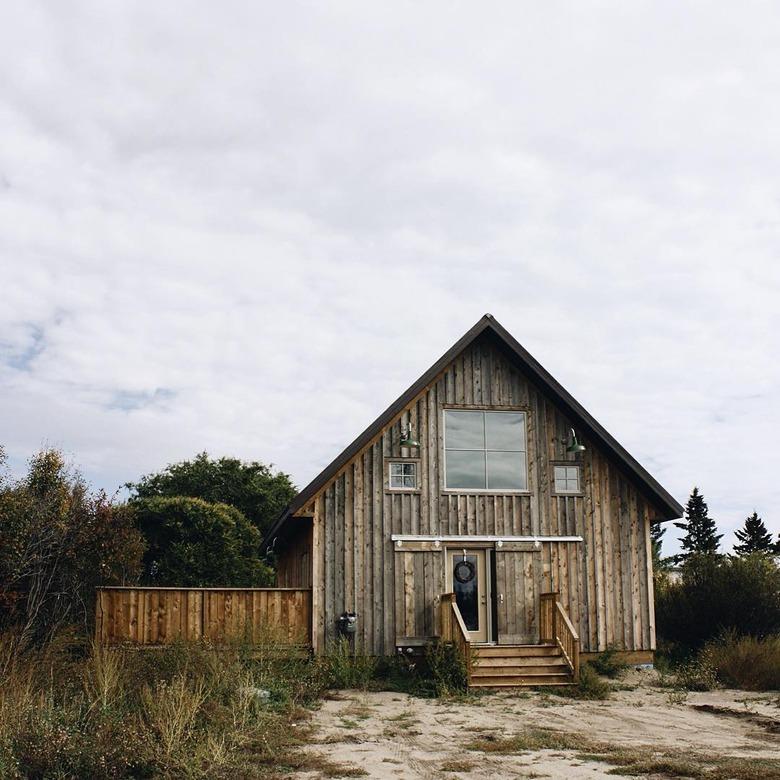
<point x="487" y="507"/>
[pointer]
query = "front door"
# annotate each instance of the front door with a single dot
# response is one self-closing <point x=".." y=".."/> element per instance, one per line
<point x="468" y="576"/>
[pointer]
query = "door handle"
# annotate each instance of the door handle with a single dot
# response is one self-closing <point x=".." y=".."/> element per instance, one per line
<point x="500" y="598"/>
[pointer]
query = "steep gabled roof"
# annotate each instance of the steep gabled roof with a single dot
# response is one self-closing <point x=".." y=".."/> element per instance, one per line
<point x="489" y="324"/>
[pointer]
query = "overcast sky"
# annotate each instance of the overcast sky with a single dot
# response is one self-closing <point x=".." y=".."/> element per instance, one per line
<point x="247" y="227"/>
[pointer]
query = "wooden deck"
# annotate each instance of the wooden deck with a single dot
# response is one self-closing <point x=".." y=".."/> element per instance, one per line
<point x="157" y="616"/>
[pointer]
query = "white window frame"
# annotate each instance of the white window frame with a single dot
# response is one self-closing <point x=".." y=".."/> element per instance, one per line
<point x="487" y="490"/>
<point x="567" y="491"/>
<point x="403" y="488"/>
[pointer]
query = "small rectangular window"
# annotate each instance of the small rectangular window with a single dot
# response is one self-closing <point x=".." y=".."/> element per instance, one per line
<point x="403" y="476"/>
<point x="567" y="479"/>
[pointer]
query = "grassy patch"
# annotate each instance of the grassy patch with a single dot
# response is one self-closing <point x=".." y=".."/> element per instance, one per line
<point x="589" y="688"/>
<point x="458" y="765"/>
<point x="529" y="740"/>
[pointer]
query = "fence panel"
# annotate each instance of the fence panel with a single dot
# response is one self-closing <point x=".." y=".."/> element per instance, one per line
<point x="154" y="616"/>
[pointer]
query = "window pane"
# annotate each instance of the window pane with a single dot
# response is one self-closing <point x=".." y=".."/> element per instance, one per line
<point x="465" y="469"/>
<point x="467" y="593"/>
<point x="572" y="486"/>
<point x="410" y="482"/>
<point x="409" y="468"/>
<point x="396" y="481"/>
<point x="396" y="468"/>
<point x="505" y="431"/>
<point x="572" y="472"/>
<point x="560" y="485"/>
<point x="464" y="430"/>
<point x="506" y="471"/>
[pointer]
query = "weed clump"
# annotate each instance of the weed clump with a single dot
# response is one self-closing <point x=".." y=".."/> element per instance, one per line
<point x="746" y="662"/>
<point x="448" y="668"/>
<point x="608" y="663"/>
<point x="344" y="668"/>
<point x="590" y="687"/>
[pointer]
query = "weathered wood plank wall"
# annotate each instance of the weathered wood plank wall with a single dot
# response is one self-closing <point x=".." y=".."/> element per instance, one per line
<point x="605" y="582"/>
<point x="293" y="563"/>
<point x="155" y="616"/>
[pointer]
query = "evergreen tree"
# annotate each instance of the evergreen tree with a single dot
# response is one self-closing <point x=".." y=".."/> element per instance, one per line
<point x="754" y="537"/>
<point x="700" y="529"/>
<point x="656" y="539"/>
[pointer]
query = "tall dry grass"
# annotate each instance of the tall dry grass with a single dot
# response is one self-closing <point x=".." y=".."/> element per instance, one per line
<point x="746" y="662"/>
<point x="74" y="710"/>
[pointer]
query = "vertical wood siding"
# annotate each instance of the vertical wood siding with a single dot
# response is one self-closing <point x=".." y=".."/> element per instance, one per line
<point x="156" y="616"/>
<point x="293" y="563"/>
<point x="605" y="582"/>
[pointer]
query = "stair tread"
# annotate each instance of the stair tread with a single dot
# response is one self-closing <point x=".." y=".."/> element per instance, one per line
<point x="522" y="660"/>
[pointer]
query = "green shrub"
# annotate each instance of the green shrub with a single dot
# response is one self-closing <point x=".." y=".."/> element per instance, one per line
<point x="590" y="686"/>
<point x="448" y="669"/>
<point x="191" y="542"/>
<point x="717" y="595"/>
<point x="746" y="662"/>
<point x="608" y="663"/>
<point x="345" y="669"/>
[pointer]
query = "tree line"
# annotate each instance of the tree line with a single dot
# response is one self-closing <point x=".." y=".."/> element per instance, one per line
<point x="196" y="523"/>
<point x="702" y="538"/>
<point x="703" y="595"/>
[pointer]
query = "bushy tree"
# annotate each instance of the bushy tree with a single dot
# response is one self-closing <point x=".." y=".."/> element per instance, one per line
<point x="701" y="535"/>
<point x="58" y="541"/>
<point x="718" y="594"/>
<point x="754" y="538"/>
<point x="252" y="487"/>
<point x="195" y="543"/>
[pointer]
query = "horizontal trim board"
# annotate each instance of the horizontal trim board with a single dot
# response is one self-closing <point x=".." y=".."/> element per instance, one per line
<point x="459" y="539"/>
<point x="206" y="588"/>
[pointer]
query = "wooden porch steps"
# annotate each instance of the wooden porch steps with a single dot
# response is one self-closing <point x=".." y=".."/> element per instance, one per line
<point x="513" y="666"/>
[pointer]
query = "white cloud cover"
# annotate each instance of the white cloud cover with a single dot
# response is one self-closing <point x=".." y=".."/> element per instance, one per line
<point x="246" y="228"/>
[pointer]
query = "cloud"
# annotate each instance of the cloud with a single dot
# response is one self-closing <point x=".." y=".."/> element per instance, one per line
<point x="248" y="229"/>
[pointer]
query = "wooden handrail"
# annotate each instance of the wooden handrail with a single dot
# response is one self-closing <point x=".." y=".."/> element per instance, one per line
<point x="453" y="628"/>
<point x="556" y="628"/>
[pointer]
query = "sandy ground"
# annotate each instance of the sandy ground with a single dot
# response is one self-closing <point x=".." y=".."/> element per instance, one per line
<point x="391" y="735"/>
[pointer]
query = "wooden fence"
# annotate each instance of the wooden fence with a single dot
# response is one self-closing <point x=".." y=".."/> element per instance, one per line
<point x="155" y="616"/>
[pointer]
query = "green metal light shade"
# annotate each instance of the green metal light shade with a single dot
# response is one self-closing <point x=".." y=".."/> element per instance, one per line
<point x="407" y="440"/>
<point x="574" y="445"/>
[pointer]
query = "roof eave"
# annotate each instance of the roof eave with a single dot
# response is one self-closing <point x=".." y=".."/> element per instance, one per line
<point x="575" y="408"/>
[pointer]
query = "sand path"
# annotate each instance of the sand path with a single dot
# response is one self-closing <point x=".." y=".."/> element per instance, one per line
<point x="391" y="735"/>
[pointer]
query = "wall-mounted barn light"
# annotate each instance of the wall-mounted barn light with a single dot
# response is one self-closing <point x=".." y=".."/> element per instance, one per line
<point x="407" y="439"/>
<point x="574" y="445"/>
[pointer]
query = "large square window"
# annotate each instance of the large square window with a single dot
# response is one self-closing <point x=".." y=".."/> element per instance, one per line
<point x="485" y="450"/>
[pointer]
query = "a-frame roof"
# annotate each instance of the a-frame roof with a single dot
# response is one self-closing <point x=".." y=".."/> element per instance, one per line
<point x="672" y="509"/>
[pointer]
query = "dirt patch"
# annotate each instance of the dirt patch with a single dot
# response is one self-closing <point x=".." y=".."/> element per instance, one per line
<point x="771" y="725"/>
<point x="636" y="733"/>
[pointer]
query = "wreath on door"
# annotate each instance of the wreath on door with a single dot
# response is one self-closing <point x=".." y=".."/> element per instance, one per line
<point x="464" y="571"/>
